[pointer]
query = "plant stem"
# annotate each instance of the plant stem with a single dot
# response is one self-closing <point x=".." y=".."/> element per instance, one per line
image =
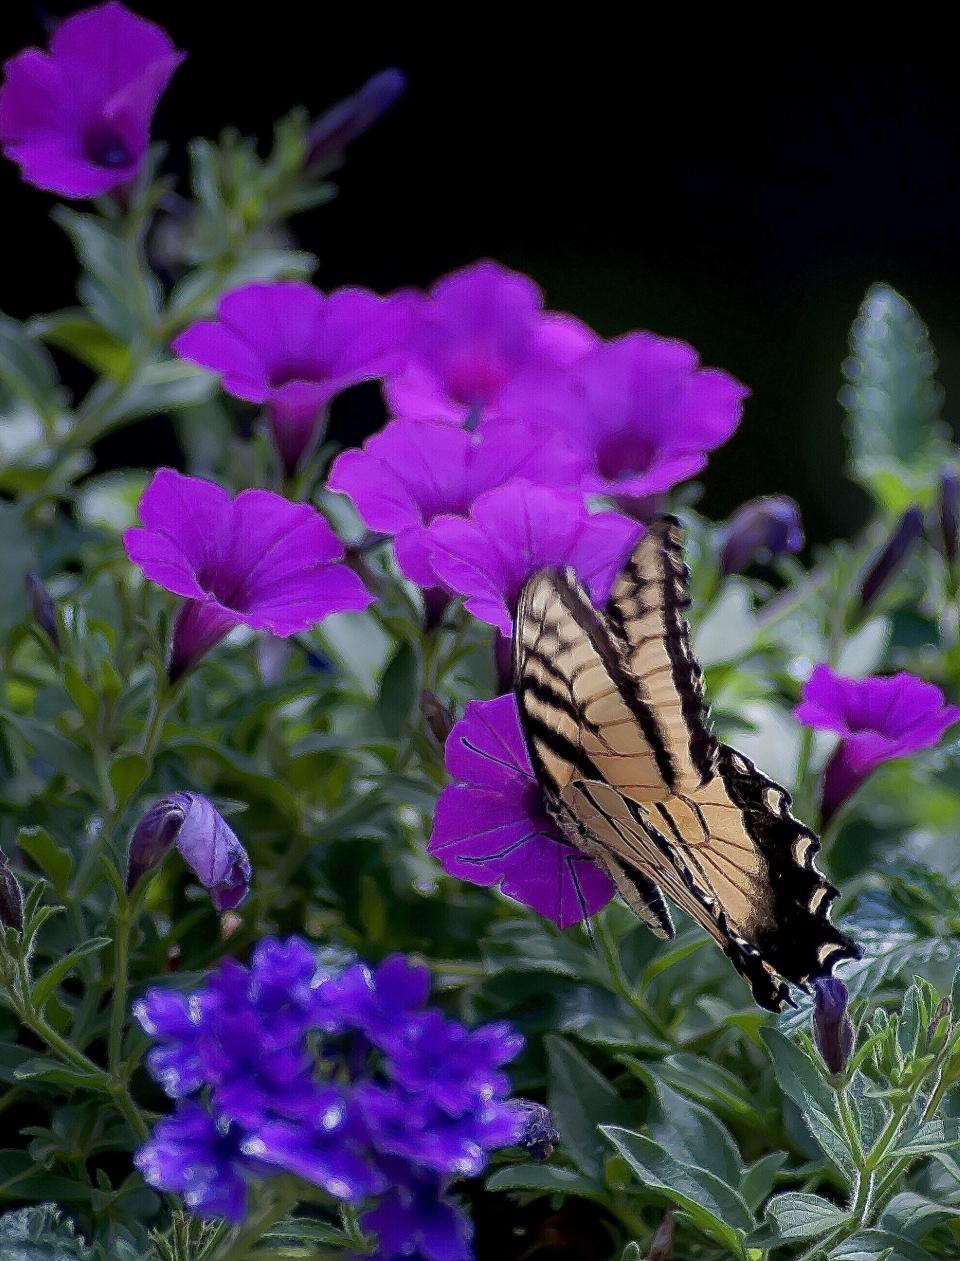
<point x="256" y="1227"/>
<point x="123" y="921"/>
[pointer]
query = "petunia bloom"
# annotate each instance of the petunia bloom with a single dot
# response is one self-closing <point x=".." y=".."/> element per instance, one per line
<point x="645" y="413"/>
<point x="517" y="529"/>
<point x="292" y="348"/>
<point x="491" y="827"/>
<point x="480" y="340"/>
<point x="877" y="719"/>
<point x="413" y="471"/>
<point x="328" y="1072"/>
<point x="207" y="844"/>
<point x="256" y="560"/>
<point x="77" y="119"/>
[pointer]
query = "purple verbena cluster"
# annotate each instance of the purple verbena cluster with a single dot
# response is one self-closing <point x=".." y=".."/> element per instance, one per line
<point x="344" y="1078"/>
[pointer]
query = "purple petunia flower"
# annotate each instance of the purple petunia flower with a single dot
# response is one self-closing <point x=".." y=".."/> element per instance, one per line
<point x="877" y="719"/>
<point x="193" y="1155"/>
<point x="514" y="531"/>
<point x="416" y="470"/>
<point x="207" y="844"/>
<point x="480" y="342"/>
<point x="77" y="119"/>
<point x="644" y="412"/>
<point x="414" y="1219"/>
<point x="292" y="348"/>
<point x="490" y="827"/>
<point x="257" y="560"/>
<point x="341" y="1076"/>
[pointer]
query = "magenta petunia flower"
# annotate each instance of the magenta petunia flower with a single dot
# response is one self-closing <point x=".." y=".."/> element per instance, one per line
<point x="644" y="413"/>
<point x="515" y="530"/>
<point x="415" y="470"/>
<point x="293" y="348"/>
<point x="76" y="119"/>
<point x="480" y="340"/>
<point x="257" y="560"/>
<point x="490" y="827"/>
<point x="877" y="719"/>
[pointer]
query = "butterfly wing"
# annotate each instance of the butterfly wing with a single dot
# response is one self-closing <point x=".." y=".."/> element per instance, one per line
<point x="658" y="804"/>
<point x="646" y="612"/>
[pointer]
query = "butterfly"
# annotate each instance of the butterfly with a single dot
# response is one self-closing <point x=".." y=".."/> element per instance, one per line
<point x="613" y="711"/>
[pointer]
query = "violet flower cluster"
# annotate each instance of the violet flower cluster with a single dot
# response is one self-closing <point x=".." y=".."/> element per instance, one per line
<point x="344" y="1078"/>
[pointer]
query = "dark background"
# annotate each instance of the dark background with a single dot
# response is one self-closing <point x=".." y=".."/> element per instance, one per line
<point x="739" y="189"/>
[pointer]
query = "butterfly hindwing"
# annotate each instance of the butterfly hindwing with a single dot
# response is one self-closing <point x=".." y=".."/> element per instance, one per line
<point x="615" y="721"/>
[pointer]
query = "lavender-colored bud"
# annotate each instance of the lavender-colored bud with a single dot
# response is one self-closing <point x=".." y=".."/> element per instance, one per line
<point x="11" y="897"/>
<point x="208" y="846"/>
<point x="437" y="715"/>
<point x="539" y="1137"/>
<point x="888" y="561"/>
<point x="949" y="512"/>
<point x="661" y="1246"/>
<point x="44" y="612"/>
<point x="350" y="118"/>
<point x="759" y="530"/>
<point x="832" y="1030"/>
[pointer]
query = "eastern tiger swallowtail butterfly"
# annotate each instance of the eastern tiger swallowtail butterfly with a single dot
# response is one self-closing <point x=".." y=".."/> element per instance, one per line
<point x="613" y="711"/>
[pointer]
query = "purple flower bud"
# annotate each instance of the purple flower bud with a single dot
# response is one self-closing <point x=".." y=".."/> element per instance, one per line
<point x="11" y="897"/>
<point x="44" y="612"/>
<point x="539" y="1137"/>
<point x="888" y="561"/>
<point x="758" y="530"/>
<point x="661" y="1246"/>
<point x="350" y="118"/>
<point x="832" y="1030"/>
<point x="438" y="716"/>
<point x="207" y="845"/>
<point x="949" y="514"/>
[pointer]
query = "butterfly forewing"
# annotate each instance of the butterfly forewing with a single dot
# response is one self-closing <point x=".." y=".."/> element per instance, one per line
<point x="615" y="721"/>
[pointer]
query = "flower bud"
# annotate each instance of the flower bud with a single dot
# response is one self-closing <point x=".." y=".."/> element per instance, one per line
<point x="832" y="1030"/>
<point x="11" y="897"/>
<point x="350" y="118"/>
<point x="759" y="530"/>
<point x="438" y="717"/>
<point x="44" y="612"/>
<point x="949" y="513"/>
<point x="207" y="845"/>
<point x="661" y="1246"/>
<point x="539" y="1137"/>
<point x="889" y="560"/>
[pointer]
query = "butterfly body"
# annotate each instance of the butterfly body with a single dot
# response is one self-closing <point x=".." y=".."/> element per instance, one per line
<point x="613" y="711"/>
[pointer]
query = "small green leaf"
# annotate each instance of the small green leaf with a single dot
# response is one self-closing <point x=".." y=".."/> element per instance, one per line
<point x="399" y="689"/>
<point x="796" y="1215"/>
<point x="914" y="1216"/>
<point x="42" y="1068"/>
<point x="548" y="1179"/>
<point x="52" y="860"/>
<point x="802" y="1080"/>
<point x="127" y="773"/>
<point x="691" y="1132"/>
<point x="82" y="695"/>
<point x="717" y="1209"/>
<point x="47" y="983"/>
<point x="580" y="1099"/>
<point x="81" y="336"/>
<point x="40" y="1233"/>
<point x="758" y="1180"/>
<point x="879" y="1245"/>
<point x="26" y="368"/>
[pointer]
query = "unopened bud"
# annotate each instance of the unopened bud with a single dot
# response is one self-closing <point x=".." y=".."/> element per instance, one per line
<point x="661" y="1247"/>
<point x="759" y="530"/>
<point x="350" y="118"/>
<point x="438" y="716"/>
<point x="889" y="560"/>
<point x="44" y="612"/>
<point x="539" y="1137"/>
<point x="11" y="897"/>
<point x="832" y="1030"/>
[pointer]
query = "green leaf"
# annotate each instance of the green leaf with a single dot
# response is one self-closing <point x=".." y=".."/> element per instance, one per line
<point x="893" y="401"/>
<point x="162" y="387"/>
<point x="932" y="1136"/>
<point x="708" y="1083"/>
<point x="47" y="983"/>
<point x="717" y="1209"/>
<point x="690" y="1131"/>
<point x="43" y="1068"/>
<point x="127" y="773"/>
<point x="27" y="369"/>
<point x="399" y="689"/>
<point x="914" y="1216"/>
<point x="82" y="695"/>
<point x="81" y="336"/>
<point x="879" y="1245"/>
<point x="800" y="1078"/>
<point x="796" y="1215"/>
<point x="547" y="1179"/>
<point x="300" y="1230"/>
<point x="40" y="1233"/>
<point x="52" y="860"/>
<point x="580" y="1099"/>
<point x="758" y="1180"/>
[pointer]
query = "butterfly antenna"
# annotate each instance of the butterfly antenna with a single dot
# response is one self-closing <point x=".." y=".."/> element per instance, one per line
<point x="582" y="903"/>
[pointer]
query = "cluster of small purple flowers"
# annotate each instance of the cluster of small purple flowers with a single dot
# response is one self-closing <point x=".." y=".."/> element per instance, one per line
<point x="344" y="1078"/>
